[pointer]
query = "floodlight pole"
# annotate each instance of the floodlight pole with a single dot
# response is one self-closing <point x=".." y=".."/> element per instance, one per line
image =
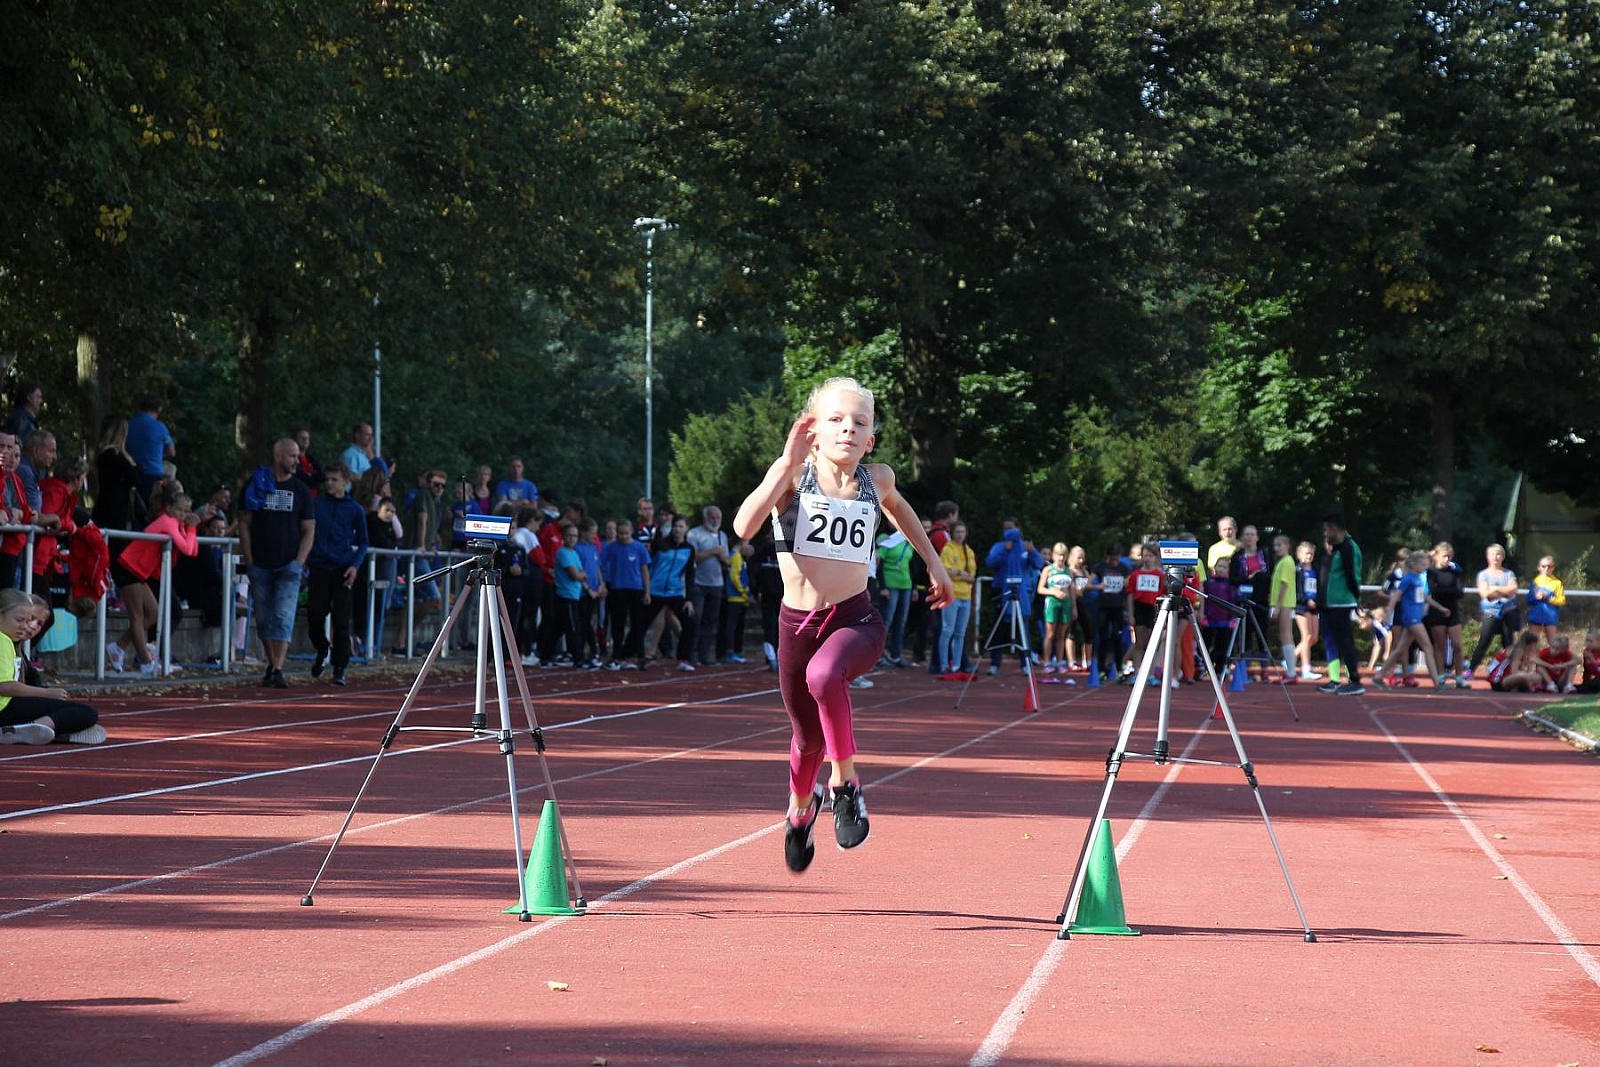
<point x="377" y="387"/>
<point x="650" y="226"/>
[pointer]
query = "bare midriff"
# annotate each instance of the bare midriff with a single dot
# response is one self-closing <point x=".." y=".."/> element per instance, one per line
<point x="810" y="583"/>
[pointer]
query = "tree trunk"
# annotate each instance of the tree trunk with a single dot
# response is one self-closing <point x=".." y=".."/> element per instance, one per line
<point x="1443" y="455"/>
<point x="257" y="345"/>
<point x="931" y="389"/>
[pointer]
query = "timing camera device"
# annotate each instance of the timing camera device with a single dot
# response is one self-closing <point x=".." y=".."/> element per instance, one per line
<point x="1180" y="553"/>
<point x="484" y="527"/>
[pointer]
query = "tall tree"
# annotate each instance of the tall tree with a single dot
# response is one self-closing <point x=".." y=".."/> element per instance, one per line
<point x="972" y="177"/>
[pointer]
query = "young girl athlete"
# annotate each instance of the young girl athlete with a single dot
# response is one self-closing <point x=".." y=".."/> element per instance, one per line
<point x="825" y="505"/>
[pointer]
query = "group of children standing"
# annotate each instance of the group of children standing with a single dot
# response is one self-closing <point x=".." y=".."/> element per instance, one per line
<point x="1422" y="613"/>
<point x="1101" y="618"/>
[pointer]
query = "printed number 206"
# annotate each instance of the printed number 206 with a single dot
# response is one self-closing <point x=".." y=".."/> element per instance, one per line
<point x="838" y="531"/>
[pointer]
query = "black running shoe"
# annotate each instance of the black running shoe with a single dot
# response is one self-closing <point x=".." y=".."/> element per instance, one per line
<point x="276" y="679"/>
<point x="799" y="845"/>
<point x="849" y="816"/>
<point x="318" y="664"/>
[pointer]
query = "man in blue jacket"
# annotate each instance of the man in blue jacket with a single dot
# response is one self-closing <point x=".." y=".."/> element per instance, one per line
<point x="1014" y="562"/>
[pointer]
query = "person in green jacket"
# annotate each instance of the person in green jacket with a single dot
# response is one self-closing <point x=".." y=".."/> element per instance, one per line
<point x="894" y="556"/>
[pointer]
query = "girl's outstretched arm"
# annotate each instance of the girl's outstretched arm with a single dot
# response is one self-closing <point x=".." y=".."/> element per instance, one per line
<point x="779" y="482"/>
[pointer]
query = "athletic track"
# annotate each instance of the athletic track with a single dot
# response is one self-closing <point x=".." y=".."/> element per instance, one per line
<point x="1447" y="860"/>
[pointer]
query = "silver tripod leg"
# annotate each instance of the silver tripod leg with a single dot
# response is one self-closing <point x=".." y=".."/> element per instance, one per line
<point x="494" y="638"/>
<point x="535" y="733"/>
<point x="1249" y="771"/>
<point x="1009" y="606"/>
<point x="1163" y="637"/>
<point x="1160" y="638"/>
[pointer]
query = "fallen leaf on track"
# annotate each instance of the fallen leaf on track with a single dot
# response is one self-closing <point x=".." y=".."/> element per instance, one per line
<point x="1484" y="1048"/>
<point x="557" y="987"/>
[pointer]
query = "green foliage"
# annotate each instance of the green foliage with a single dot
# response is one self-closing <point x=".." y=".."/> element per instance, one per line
<point x="719" y="458"/>
<point x="1581" y="715"/>
<point x="1113" y="268"/>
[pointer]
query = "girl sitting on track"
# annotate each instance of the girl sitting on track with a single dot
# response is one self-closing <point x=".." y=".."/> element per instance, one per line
<point x="29" y="714"/>
<point x="1516" y="667"/>
<point x="825" y="505"/>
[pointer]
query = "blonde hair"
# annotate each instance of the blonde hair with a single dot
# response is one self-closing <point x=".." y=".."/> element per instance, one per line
<point x="12" y="599"/>
<point x="1059" y="546"/>
<point x="848" y="385"/>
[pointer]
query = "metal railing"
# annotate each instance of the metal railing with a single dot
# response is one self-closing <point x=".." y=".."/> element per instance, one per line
<point x="417" y="562"/>
<point x="380" y="580"/>
<point x="164" y="601"/>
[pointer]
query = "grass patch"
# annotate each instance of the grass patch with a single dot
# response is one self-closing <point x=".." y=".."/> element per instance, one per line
<point x="1578" y="714"/>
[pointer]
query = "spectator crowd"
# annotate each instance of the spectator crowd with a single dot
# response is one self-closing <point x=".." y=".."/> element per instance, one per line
<point x="587" y="592"/>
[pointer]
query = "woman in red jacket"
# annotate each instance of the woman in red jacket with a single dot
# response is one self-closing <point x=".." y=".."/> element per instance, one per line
<point x="140" y="562"/>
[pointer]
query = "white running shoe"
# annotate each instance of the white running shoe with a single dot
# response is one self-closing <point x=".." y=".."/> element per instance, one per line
<point x="861" y="683"/>
<point x="116" y="657"/>
<point x="27" y="733"/>
<point x="92" y="735"/>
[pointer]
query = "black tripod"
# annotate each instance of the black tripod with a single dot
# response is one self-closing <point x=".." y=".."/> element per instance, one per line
<point x="1248" y="623"/>
<point x="496" y="637"/>
<point x="1172" y="606"/>
<point x="1016" y="641"/>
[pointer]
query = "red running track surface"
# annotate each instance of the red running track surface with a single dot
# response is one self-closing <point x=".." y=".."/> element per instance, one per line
<point x="1444" y="855"/>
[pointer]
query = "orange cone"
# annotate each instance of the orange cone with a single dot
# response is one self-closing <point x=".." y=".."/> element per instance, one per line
<point x="1030" y="695"/>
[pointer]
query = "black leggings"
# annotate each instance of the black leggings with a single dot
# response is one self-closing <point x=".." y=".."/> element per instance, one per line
<point x="68" y="715"/>
<point x="1505" y="627"/>
<point x="1108" y="646"/>
<point x="1338" y="633"/>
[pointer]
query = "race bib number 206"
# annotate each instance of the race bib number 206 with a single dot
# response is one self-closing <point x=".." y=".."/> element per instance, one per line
<point x="835" y="529"/>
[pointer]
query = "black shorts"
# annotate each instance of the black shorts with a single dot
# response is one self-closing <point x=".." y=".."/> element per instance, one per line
<point x="122" y="576"/>
<point x="1144" y="614"/>
<point x="1446" y="619"/>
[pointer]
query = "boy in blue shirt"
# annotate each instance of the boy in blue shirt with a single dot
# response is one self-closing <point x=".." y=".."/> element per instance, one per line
<point x="338" y="552"/>
<point x="625" y="569"/>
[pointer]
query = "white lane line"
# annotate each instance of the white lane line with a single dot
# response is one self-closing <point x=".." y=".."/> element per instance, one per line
<point x="1547" y="915"/>
<point x="230" y="861"/>
<point x="50" y="751"/>
<point x="435" y="684"/>
<point x="236" y="779"/>
<point x="1005" y="1027"/>
<point x="444" y="970"/>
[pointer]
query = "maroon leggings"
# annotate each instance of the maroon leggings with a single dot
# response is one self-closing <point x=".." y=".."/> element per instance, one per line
<point x="819" y="652"/>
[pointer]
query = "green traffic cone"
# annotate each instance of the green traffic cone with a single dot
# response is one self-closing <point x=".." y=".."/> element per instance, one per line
<point x="545" y="882"/>
<point x="1100" y="906"/>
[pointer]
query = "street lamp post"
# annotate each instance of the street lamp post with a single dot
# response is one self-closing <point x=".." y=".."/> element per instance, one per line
<point x="377" y="386"/>
<point x="650" y="227"/>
